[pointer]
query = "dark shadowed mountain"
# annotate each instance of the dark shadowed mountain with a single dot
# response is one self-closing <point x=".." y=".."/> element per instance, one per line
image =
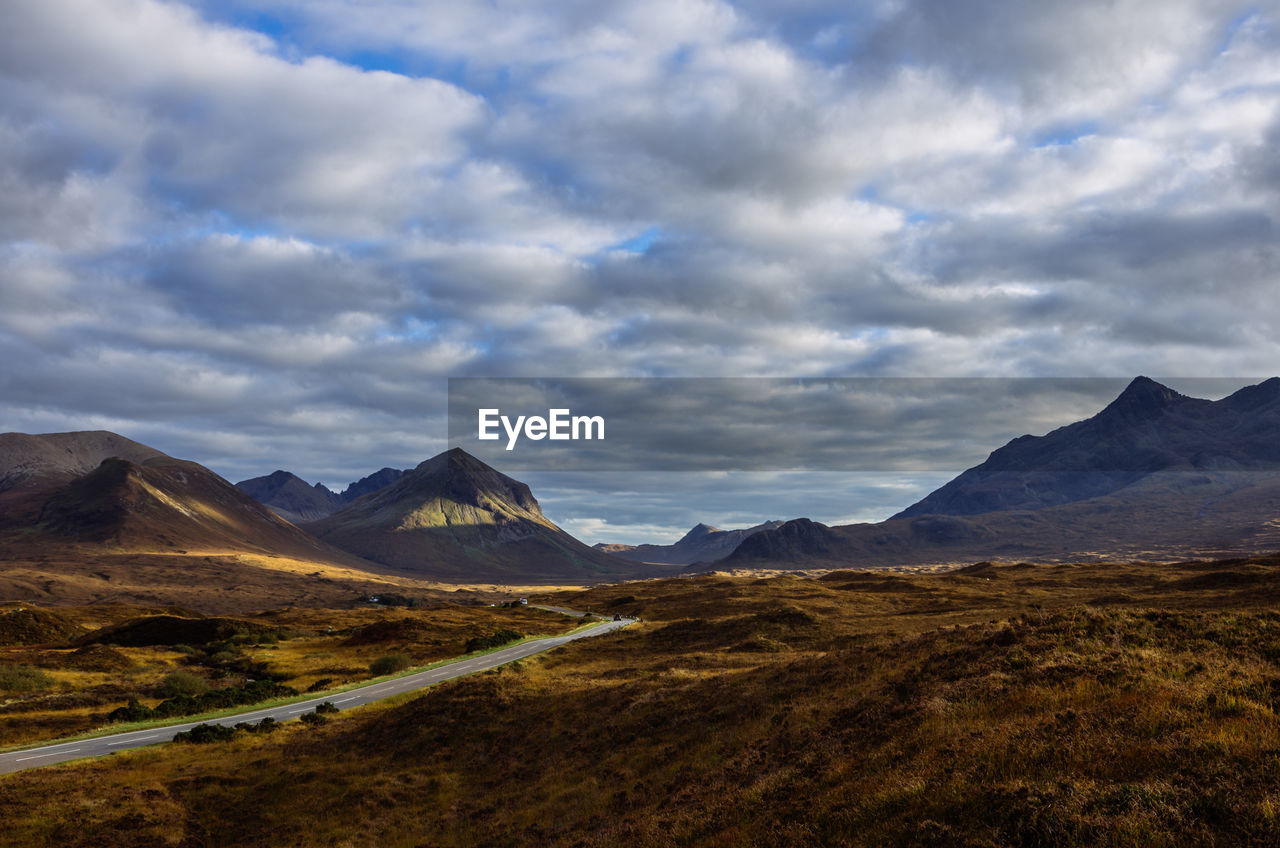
<point x="454" y="518"/>
<point x="289" y="496"/>
<point x="799" y="538"/>
<point x="1154" y="475"/>
<point x="703" y="543"/>
<point x="375" y="481"/>
<point x="1148" y="428"/>
<point x="293" y="499"/>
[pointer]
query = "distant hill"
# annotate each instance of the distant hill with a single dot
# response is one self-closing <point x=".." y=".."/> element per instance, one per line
<point x="366" y="485"/>
<point x="453" y="518"/>
<point x="290" y="497"/>
<point x="703" y="543"/>
<point x="1154" y="475"/>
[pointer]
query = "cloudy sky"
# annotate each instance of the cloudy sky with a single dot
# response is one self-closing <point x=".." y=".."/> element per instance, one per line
<point x="263" y="235"/>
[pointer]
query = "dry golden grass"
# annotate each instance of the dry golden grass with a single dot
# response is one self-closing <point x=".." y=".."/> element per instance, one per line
<point x="1114" y="704"/>
<point x="301" y="648"/>
<point x="215" y="581"/>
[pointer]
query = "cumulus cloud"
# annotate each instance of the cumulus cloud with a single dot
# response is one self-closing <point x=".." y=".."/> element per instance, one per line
<point x="263" y="232"/>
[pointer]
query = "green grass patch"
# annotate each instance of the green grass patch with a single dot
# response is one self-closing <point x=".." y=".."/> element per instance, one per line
<point x="23" y="678"/>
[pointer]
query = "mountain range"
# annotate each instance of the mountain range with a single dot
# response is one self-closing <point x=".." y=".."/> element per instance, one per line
<point x="1155" y="474"/>
<point x="703" y="543"/>
<point x="93" y="516"/>
<point x="290" y="497"/>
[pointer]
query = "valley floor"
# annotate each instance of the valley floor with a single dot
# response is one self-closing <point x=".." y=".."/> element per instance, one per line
<point x="1103" y="704"/>
<point x="88" y="661"/>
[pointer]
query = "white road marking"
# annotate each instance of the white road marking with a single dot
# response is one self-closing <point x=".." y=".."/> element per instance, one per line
<point x="39" y="756"/>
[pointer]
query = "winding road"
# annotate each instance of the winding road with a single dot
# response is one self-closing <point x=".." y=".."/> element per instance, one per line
<point x="97" y="746"/>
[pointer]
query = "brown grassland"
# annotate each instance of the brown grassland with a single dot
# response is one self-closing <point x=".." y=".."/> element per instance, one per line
<point x="84" y="677"/>
<point x="1111" y="704"/>
<point x="222" y="582"/>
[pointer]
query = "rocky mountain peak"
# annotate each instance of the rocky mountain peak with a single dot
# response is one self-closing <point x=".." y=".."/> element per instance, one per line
<point x="1143" y="397"/>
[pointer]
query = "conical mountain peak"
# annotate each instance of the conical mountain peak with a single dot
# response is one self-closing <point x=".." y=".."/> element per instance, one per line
<point x="697" y="532"/>
<point x="1144" y="395"/>
<point x="457" y="476"/>
<point x="454" y="517"/>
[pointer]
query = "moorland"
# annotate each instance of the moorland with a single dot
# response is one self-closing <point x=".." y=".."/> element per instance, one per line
<point x="1113" y="703"/>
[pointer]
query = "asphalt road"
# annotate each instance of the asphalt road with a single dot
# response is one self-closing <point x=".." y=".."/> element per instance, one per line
<point x="12" y="761"/>
<point x="563" y="610"/>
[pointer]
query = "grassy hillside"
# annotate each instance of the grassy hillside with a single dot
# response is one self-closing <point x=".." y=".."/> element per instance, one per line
<point x="1107" y="704"/>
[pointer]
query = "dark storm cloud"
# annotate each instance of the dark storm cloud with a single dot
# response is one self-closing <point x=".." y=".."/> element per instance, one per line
<point x="269" y="248"/>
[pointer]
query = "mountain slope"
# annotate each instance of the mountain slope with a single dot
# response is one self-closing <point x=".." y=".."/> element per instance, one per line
<point x="32" y="467"/>
<point x="40" y="460"/>
<point x="168" y="503"/>
<point x="454" y="518"/>
<point x="703" y="543"/>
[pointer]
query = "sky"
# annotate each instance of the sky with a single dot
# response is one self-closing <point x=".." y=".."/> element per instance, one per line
<point x="264" y="235"/>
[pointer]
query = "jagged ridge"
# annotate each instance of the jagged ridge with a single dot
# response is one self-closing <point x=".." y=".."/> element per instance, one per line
<point x="703" y="543"/>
